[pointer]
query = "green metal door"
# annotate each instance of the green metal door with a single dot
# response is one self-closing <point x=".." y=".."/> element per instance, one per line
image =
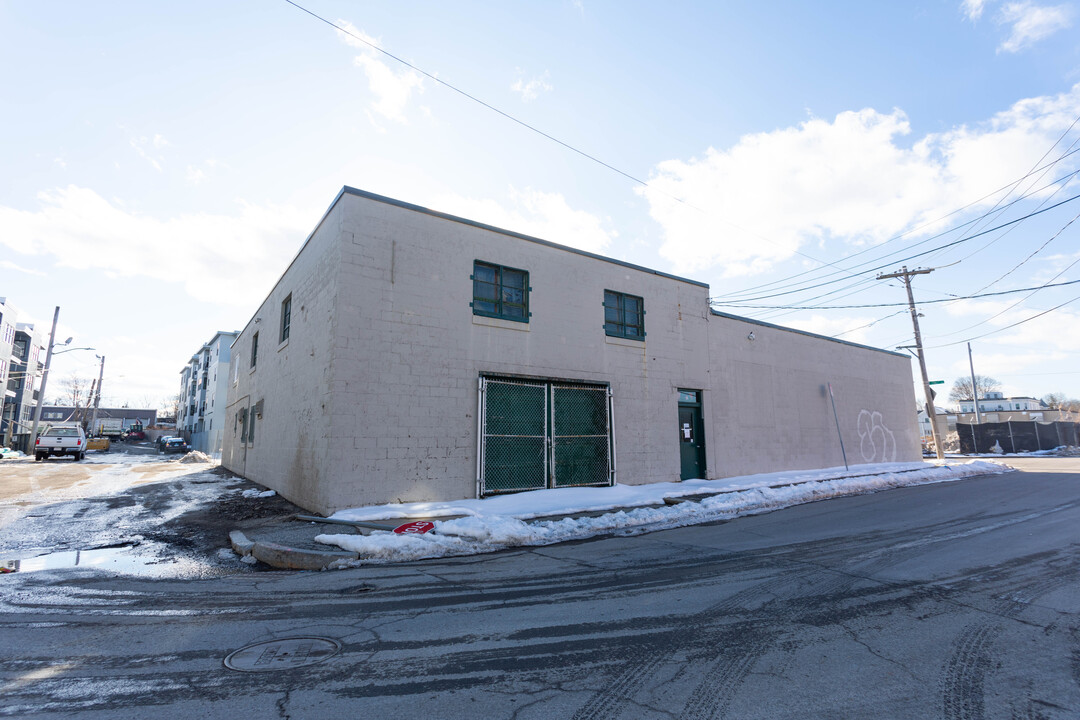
<point x="691" y="435"/>
<point x="537" y="434"/>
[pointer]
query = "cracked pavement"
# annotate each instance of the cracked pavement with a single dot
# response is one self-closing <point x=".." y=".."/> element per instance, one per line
<point x="957" y="600"/>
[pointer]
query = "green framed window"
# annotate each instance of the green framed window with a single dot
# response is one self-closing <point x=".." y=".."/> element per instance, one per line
<point x="624" y="315"/>
<point x="500" y="292"/>
<point x="254" y="349"/>
<point x="286" y="318"/>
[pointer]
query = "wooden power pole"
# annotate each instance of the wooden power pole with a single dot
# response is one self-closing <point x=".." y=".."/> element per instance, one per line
<point x="931" y="411"/>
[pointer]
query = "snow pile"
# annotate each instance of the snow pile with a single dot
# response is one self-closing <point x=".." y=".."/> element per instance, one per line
<point x="8" y="453"/>
<point x="258" y="493"/>
<point x="196" y="457"/>
<point x="498" y="523"/>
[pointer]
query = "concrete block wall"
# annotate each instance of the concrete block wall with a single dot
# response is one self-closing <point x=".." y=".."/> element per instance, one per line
<point x="769" y="408"/>
<point x="410" y="351"/>
<point x="374" y="397"/>
<point x="292" y="379"/>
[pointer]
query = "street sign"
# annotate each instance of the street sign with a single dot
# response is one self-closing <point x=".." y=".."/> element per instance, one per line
<point x="936" y="382"/>
<point x="415" y="528"/>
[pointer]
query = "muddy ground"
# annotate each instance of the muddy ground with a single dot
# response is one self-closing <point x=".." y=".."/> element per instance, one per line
<point x="159" y="507"/>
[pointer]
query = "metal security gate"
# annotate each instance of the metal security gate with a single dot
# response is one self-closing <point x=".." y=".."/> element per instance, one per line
<point x="536" y="434"/>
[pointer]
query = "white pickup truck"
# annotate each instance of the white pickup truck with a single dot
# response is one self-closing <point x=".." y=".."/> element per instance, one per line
<point x="61" y="440"/>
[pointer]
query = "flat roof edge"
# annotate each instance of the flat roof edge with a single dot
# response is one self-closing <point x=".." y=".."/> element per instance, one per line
<point x="511" y="233"/>
<point x="762" y="323"/>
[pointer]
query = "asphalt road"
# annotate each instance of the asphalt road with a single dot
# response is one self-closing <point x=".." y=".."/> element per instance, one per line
<point x="956" y="600"/>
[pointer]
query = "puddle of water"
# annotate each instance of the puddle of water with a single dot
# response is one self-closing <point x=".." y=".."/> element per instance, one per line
<point x="115" y="559"/>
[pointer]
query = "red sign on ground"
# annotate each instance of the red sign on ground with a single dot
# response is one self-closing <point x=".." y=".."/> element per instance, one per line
<point x="415" y="528"/>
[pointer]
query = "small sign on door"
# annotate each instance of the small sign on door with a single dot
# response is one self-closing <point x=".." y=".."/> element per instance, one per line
<point x="687" y="432"/>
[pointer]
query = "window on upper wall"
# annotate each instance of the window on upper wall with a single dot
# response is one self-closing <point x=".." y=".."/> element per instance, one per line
<point x="286" y="318"/>
<point x="254" y="348"/>
<point x="624" y="315"/>
<point x="500" y="292"/>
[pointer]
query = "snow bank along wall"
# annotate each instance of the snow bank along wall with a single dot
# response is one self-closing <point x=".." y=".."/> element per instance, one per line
<point x="359" y="379"/>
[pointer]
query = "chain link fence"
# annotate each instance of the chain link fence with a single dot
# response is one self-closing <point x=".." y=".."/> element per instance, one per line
<point x="537" y="434"/>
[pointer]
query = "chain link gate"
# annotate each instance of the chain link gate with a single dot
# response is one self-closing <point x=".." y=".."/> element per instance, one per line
<point x="536" y="434"/>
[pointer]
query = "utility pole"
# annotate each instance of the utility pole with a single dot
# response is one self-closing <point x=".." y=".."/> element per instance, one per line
<point x="931" y="411"/>
<point x="974" y="388"/>
<point x="44" y="379"/>
<point x="97" y="398"/>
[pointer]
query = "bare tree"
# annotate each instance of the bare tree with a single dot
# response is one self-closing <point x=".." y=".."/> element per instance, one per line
<point x="961" y="389"/>
<point x="1060" y="401"/>
<point x="169" y="406"/>
<point x="73" y="391"/>
<point x="1054" y="400"/>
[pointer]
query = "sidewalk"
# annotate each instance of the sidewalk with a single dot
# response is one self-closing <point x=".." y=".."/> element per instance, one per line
<point x="545" y="517"/>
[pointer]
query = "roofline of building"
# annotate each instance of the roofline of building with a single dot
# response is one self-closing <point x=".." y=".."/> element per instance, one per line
<point x="348" y="190"/>
<point x="762" y="323"/>
<point x="991" y="400"/>
<point x="206" y="345"/>
<point x="503" y="231"/>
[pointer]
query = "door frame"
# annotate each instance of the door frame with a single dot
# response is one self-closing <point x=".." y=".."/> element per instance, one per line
<point x="697" y="409"/>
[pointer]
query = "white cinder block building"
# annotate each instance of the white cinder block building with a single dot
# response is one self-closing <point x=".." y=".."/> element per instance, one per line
<point x="411" y="355"/>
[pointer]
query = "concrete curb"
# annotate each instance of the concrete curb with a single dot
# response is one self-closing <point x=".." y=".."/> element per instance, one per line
<point x="240" y="543"/>
<point x="288" y="558"/>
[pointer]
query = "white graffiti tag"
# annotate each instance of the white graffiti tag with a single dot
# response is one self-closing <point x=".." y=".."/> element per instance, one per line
<point x="876" y="442"/>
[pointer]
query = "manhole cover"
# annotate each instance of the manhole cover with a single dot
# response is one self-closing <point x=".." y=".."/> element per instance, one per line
<point x="282" y="654"/>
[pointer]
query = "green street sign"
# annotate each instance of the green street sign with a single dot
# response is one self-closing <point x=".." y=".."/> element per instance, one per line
<point x="937" y="382"/>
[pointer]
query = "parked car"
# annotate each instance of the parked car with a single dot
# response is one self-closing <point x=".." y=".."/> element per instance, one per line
<point x="162" y="440"/>
<point x="175" y="445"/>
<point x="61" y="440"/>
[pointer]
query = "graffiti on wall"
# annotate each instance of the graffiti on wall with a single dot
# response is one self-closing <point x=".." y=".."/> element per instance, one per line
<point x="876" y="442"/>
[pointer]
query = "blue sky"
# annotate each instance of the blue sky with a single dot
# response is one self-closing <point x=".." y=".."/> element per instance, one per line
<point x="164" y="162"/>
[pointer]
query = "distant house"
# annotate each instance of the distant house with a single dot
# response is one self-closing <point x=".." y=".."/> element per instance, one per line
<point x="410" y="355"/>
<point x="203" y="387"/>
<point x="997" y="402"/>
<point x="129" y="416"/>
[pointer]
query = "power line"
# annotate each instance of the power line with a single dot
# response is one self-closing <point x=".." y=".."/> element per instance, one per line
<point x="1033" y="254"/>
<point x="890" y="315"/>
<point x="956" y="298"/>
<point x="973" y="221"/>
<point x="540" y="132"/>
<point x="1009" y="327"/>
<point x="917" y="255"/>
<point x="909" y="247"/>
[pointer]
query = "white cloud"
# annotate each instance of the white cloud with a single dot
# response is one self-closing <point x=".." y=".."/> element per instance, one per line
<point x="852" y="328"/>
<point x="8" y="265"/>
<point x="139" y="145"/>
<point x="543" y="215"/>
<point x="531" y="90"/>
<point x="391" y="90"/>
<point x="857" y="180"/>
<point x="973" y="8"/>
<point x="195" y="175"/>
<point x="232" y="260"/>
<point x="1031" y="23"/>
